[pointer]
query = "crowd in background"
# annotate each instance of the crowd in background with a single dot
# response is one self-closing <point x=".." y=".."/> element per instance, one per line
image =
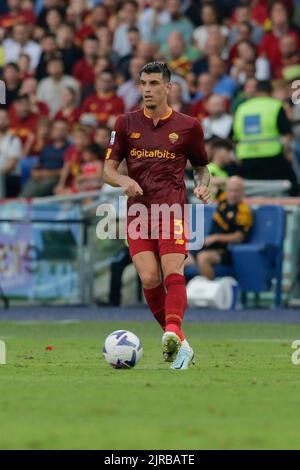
<point x="72" y="67"/>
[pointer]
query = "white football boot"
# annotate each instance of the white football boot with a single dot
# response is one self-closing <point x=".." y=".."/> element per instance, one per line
<point x="185" y="357"/>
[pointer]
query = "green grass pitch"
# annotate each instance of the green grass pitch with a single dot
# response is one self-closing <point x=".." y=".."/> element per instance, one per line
<point x="243" y="393"/>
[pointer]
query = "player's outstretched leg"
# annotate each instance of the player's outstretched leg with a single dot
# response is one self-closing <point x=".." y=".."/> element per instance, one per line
<point x="174" y="342"/>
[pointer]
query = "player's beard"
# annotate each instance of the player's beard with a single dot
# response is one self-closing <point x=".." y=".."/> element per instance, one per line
<point x="151" y="106"/>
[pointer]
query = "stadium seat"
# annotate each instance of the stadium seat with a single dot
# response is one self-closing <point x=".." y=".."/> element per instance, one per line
<point x="258" y="261"/>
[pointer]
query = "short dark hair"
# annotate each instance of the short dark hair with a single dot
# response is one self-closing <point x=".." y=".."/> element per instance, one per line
<point x="12" y="65"/>
<point x="243" y="4"/>
<point x="91" y="37"/>
<point x="133" y="3"/>
<point x="157" y="67"/>
<point x="217" y="144"/>
<point x="264" y="86"/>
<point x="103" y="127"/>
<point x="49" y="35"/>
<point x="55" y="57"/>
<point x="133" y="29"/>
<point x="95" y="149"/>
<point x="23" y="97"/>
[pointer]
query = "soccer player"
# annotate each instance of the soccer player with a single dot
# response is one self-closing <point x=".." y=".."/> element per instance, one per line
<point x="157" y="142"/>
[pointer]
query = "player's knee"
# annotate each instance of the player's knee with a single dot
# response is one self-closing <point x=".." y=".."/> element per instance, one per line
<point x="173" y="266"/>
<point x="173" y="270"/>
<point x="150" y="279"/>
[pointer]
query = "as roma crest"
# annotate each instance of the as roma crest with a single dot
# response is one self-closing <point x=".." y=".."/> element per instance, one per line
<point x="173" y="137"/>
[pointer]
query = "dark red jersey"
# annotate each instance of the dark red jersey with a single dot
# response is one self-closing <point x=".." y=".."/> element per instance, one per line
<point x="10" y="20"/>
<point x="103" y="107"/>
<point x="157" y="155"/>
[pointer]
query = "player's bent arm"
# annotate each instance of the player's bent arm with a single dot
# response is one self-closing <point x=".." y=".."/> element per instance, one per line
<point x="112" y="177"/>
<point x="202" y="180"/>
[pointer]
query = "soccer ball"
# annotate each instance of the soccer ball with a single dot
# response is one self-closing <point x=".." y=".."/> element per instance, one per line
<point x="122" y="349"/>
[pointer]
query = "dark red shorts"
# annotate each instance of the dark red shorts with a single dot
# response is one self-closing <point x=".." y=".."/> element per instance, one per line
<point x="172" y="241"/>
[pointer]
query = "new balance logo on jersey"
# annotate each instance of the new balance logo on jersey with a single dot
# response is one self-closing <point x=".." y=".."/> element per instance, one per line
<point x="135" y="135"/>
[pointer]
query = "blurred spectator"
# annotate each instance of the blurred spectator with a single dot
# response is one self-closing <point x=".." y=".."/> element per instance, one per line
<point x="215" y="46"/>
<point x="247" y="92"/>
<point x="199" y="108"/>
<point x="21" y="43"/>
<point x="94" y="20"/>
<point x="243" y="34"/>
<point x="72" y="161"/>
<point x="128" y="16"/>
<point x="244" y="26"/>
<point x="102" y="136"/>
<point x="54" y="19"/>
<point x="248" y="65"/>
<point x="232" y="222"/>
<point x="45" y="176"/>
<point x="153" y="17"/>
<point x="179" y="56"/>
<point x="270" y="46"/>
<point x="263" y="134"/>
<point x="24" y="66"/>
<point x="289" y="54"/>
<point x="49" y="88"/>
<point x="144" y="51"/>
<point x="89" y="123"/>
<point x="49" y="49"/>
<point x="29" y="88"/>
<point x="48" y="5"/>
<point x="16" y="15"/>
<point x="130" y="90"/>
<point x="12" y="79"/>
<point x="177" y="22"/>
<point x="10" y="154"/>
<point x="23" y="121"/>
<point x="69" y="110"/>
<point x="66" y="42"/>
<point x="221" y="158"/>
<point x="219" y="122"/>
<point x="224" y="84"/>
<point x="105" y="104"/>
<point x="36" y="142"/>
<point x="102" y="64"/>
<point x="176" y="99"/>
<point x="123" y="63"/>
<point x="77" y="12"/>
<point x="209" y="17"/>
<point x="91" y="169"/>
<point x="105" y="39"/>
<point x="84" y="69"/>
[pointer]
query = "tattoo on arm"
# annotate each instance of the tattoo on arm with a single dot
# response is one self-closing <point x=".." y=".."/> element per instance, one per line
<point x="201" y="176"/>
